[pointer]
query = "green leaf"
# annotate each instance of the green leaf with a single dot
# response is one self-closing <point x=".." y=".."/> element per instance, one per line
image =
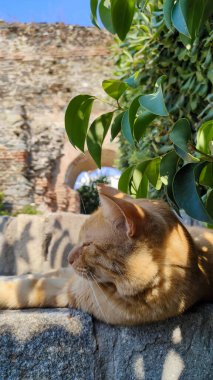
<point x="77" y="119"/>
<point x="116" y="126"/>
<point x="168" y="168"/>
<point x="141" y="124"/>
<point x="126" y="128"/>
<point x="142" y="4"/>
<point x="181" y="134"/>
<point x="125" y="179"/>
<point x="143" y="188"/>
<point x="209" y="203"/>
<point x="154" y="103"/>
<point x="132" y="112"/>
<point x="114" y="88"/>
<point x="105" y="15"/>
<point x="139" y="184"/>
<point x="153" y="172"/>
<point x="187" y="157"/>
<point x="181" y="137"/>
<point x="167" y="11"/>
<point x="205" y="136"/>
<point x="195" y="13"/>
<point x="122" y="12"/>
<point x="134" y="181"/>
<point x="97" y="134"/>
<point x="179" y="20"/>
<point x="206" y="176"/>
<point x="134" y="80"/>
<point x="186" y="194"/>
<point x="150" y="168"/>
<point x="93" y="15"/>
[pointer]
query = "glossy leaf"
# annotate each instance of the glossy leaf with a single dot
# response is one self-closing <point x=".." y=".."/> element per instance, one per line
<point x="187" y="157"/>
<point x="209" y="203"/>
<point x="141" y="124"/>
<point x="134" y="80"/>
<point x="77" y="119"/>
<point x="155" y="103"/>
<point x="168" y="168"/>
<point x="105" y="15"/>
<point x="126" y="128"/>
<point x="186" y="194"/>
<point x="181" y="134"/>
<point x="139" y="184"/>
<point x="116" y="126"/>
<point x="133" y="108"/>
<point x="125" y="179"/>
<point x="153" y="173"/>
<point x="143" y="188"/>
<point x="206" y="176"/>
<point x="167" y="11"/>
<point x="114" y="88"/>
<point x="195" y="13"/>
<point x="97" y="134"/>
<point x="205" y="136"/>
<point x="122" y="12"/>
<point x="151" y="167"/>
<point x="181" y="137"/>
<point x="93" y="9"/>
<point x="178" y="19"/>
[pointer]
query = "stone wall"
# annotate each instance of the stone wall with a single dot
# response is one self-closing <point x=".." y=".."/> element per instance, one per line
<point x="42" y="66"/>
<point x="68" y="344"/>
<point x="37" y="243"/>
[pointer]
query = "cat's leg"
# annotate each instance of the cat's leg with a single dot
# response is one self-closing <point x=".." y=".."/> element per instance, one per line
<point x="37" y="290"/>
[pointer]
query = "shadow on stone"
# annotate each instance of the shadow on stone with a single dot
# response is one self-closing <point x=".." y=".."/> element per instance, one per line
<point x="180" y="348"/>
<point x="43" y="344"/>
<point x="68" y="344"/>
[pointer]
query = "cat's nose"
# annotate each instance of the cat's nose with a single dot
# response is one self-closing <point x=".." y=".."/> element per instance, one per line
<point x="74" y="254"/>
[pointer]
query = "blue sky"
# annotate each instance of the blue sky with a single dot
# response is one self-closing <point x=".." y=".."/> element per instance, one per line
<point x="67" y="11"/>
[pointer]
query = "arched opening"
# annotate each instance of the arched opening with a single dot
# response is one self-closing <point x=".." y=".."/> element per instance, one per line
<point x="86" y="177"/>
<point x="82" y="176"/>
<point x="84" y="162"/>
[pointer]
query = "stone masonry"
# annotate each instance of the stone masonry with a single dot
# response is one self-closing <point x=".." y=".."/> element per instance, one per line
<point x="62" y="344"/>
<point x="42" y="66"/>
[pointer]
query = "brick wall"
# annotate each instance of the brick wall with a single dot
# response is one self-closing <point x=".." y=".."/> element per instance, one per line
<point x="42" y="66"/>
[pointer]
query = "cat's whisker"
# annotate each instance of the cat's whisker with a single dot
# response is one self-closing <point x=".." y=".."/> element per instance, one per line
<point x="96" y="300"/>
<point x="107" y="299"/>
<point x="95" y="280"/>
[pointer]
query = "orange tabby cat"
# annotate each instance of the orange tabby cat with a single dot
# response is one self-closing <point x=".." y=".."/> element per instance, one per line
<point x="135" y="263"/>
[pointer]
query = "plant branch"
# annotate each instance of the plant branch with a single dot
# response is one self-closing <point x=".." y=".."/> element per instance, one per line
<point x="210" y="158"/>
<point x="106" y="102"/>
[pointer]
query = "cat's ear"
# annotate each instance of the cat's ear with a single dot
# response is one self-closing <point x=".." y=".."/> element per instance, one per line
<point x="118" y="210"/>
<point x="110" y="191"/>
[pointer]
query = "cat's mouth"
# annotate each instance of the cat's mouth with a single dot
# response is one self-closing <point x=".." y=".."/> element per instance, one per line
<point x="86" y="273"/>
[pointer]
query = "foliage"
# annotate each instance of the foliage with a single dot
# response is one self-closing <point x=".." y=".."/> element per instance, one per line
<point x="3" y="211"/>
<point x="186" y="16"/>
<point x="28" y="210"/>
<point x="89" y="195"/>
<point x="185" y="169"/>
<point x="187" y="87"/>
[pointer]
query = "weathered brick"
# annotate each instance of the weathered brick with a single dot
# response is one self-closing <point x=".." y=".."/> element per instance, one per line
<point x="42" y="66"/>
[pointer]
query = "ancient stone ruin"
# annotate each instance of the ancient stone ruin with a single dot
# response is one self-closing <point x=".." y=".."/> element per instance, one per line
<point x="42" y="66"/>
